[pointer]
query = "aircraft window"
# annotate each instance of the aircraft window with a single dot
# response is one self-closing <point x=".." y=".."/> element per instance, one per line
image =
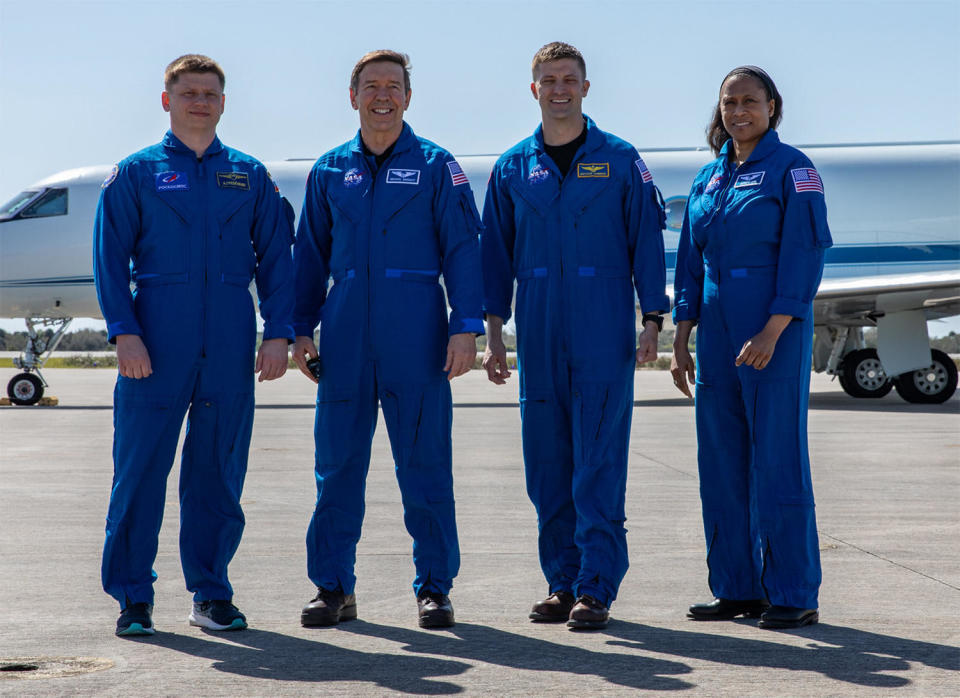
<point x="12" y="207"/>
<point x="674" y="208"/>
<point x="52" y="203"/>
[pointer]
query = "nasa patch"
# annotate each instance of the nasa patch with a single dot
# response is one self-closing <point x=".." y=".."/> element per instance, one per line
<point x="110" y="177"/>
<point x="713" y="184"/>
<point x="749" y="179"/>
<point x="538" y="174"/>
<point x="352" y="178"/>
<point x="171" y="181"/>
<point x="398" y="176"/>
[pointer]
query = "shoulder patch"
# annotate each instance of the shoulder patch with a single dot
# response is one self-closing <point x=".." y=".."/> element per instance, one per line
<point x="111" y="177"/>
<point x="644" y="172"/>
<point x="457" y="175"/>
<point x="276" y="186"/>
<point x="806" y="179"/>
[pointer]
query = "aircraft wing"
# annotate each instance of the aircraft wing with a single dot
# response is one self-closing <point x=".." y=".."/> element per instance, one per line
<point x="857" y="301"/>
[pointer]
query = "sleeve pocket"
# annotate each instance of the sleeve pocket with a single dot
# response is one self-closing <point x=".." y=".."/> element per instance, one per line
<point x="818" y="223"/>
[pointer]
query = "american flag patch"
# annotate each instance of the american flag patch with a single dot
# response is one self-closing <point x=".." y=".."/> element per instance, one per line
<point x="806" y="179"/>
<point x="456" y="173"/>
<point x="644" y="172"/>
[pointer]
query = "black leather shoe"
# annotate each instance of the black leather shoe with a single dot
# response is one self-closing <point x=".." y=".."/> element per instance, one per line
<point x="434" y="610"/>
<point x="588" y="613"/>
<point x="553" y="609"/>
<point x="788" y="617"/>
<point x="726" y="609"/>
<point x="328" y="608"/>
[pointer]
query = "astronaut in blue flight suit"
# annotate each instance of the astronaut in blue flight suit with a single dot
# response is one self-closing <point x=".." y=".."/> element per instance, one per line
<point x="749" y="263"/>
<point x="385" y="215"/>
<point x="198" y="220"/>
<point x="572" y="214"/>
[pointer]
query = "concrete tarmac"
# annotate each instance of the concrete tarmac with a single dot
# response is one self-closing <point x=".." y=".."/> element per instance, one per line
<point x="887" y="483"/>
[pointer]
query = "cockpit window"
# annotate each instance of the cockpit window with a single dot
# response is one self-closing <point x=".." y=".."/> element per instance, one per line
<point x="53" y="202"/>
<point x="12" y="207"/>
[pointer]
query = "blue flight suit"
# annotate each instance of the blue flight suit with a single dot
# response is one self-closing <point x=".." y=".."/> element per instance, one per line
<point x="385" y="234"/>
<point x="197" y="231"/>
<point x="752" y="245"/>
<point x="573" y="245"/>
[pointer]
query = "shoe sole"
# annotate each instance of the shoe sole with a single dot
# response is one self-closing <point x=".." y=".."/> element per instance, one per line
<point x="789" y="625"/>
<point x="204" y="622"/>
<point x="346" y="613"/>
<point x="135" y="629"/>
<point x="587" y="624"/>
<point x="543" y="618"/>
<point x="724" y="616"/>
<point x="436" y="622"/>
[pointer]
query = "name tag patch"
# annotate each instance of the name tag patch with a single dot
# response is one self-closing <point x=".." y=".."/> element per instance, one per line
<point x="749" y="179"/>
<point x="397" y="176"/>
<point x="233" y="180"/>
<point x="171" y="181"/>
<point x="589" y="170"/>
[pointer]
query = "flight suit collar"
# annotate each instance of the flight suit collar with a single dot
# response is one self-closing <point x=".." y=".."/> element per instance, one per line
<point x="594" y="140"/>
<point x="404" y="142"/>
<point x="171" y="142"/>
<point x="768" y="143"/>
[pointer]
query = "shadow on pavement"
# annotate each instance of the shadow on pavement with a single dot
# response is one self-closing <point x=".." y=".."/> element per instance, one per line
<point x="843" y="654"/>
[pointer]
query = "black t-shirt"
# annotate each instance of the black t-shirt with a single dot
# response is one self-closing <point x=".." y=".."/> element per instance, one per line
<point x="376" y="160"/>
<point x="562" y="155"/>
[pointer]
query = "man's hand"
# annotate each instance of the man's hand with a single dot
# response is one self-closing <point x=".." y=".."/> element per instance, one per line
<point x="647" y="343"/>
<point x="461" y="353"/>
<point x="758" y="350"/>
<point x="682" y="367"/>
<point x="271" y="359"/>
<point x="132" y="356"/>
<point x="495" y="361"/>
<point x="303" y="349"/>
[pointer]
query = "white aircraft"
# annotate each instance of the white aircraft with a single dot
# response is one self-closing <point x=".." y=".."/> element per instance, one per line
<point x="894" y="211"/>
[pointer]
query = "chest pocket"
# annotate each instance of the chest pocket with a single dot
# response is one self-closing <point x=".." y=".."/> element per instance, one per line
<point x="238" y="259"/>
<point x="162" y="251"/>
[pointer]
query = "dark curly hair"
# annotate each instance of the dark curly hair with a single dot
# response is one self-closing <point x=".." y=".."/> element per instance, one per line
<point x="716" y="134"/>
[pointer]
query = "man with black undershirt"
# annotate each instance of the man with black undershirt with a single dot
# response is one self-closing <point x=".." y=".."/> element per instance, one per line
<point x="573" y="217"/>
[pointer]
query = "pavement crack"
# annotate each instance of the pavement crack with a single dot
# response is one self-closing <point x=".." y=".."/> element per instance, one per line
<point x="892" y="562"/>
<point x="668" y="466"/>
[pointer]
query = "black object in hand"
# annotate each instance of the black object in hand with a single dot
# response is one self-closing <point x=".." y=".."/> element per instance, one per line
<point x="314" y="366"/>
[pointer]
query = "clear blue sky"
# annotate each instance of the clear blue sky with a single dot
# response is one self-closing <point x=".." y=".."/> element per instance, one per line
<point x="80" y="80"/>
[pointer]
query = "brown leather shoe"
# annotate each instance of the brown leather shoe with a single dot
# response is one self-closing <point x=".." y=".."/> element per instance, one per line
<point x="553" y="609"/>
<point x="328" y="608"/>
<point x="588" y="613"/>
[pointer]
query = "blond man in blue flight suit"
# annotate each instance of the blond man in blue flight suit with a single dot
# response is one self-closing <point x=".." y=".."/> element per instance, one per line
<point x="190" y="222"/>
<point x="573" y="216"/>
<point x="385" y="215"/>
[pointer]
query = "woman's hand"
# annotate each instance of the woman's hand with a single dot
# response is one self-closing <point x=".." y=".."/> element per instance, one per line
<point x="681" y="364"/>
<point x="758" y="350"/>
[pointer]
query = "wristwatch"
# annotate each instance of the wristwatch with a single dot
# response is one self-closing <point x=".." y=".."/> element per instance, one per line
<point x="652" y="317"/>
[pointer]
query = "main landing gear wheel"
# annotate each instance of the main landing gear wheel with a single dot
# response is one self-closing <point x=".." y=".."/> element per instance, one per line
<point x="862" y="375"/>
<point x="931" y="385"/>
<point x="25" y="389"/>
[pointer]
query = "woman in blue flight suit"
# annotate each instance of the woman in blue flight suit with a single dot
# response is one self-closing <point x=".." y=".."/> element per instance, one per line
<point x="748" y="266"/>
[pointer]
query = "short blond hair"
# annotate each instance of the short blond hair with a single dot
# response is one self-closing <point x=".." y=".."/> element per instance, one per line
<point x="555" y="51"/>
<point x="192" y="63"/>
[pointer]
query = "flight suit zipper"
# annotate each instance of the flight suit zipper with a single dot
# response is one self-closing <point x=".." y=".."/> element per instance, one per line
<point x="201" y="179"/>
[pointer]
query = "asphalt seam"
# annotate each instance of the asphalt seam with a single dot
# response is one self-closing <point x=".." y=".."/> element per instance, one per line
<point x="881" y="557"/>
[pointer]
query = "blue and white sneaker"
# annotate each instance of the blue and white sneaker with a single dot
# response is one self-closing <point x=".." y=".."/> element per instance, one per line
<point x="217" y="615"/>
<point x="135" y="620"/>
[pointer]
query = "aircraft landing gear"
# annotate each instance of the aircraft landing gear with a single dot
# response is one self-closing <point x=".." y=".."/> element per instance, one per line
<point x="25" y="389"/>
<point x="862" y="375"/>
<point x="931" y="385"/>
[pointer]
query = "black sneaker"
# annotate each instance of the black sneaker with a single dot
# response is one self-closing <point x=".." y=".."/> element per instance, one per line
<point x="217" y="615"/>
<point x="135" y="620"/>
<point x="328" y="608"/>
<point x="435" y="610"/>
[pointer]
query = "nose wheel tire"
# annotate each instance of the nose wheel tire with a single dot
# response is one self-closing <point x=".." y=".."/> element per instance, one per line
<point x="862" y="375"/>
<point x="25" y="389"/>
<point x="931" y="385"/>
